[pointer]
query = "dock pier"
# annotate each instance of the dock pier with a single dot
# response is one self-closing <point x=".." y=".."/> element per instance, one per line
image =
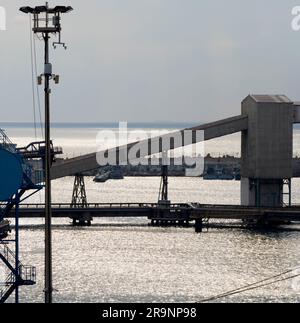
<point x="180" y="214"/>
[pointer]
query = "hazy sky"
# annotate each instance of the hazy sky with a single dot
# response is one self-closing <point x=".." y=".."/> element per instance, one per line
<point x="154" y="60"/>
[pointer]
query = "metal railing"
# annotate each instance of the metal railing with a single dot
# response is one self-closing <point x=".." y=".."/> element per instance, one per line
<point x="106" y="205"/>
<point x="26" y="274"/>
<point x="10" y="280"/>
<point x="237" y="206"/>
<point x="6" y="142"/>
<point x="8" y="255"/>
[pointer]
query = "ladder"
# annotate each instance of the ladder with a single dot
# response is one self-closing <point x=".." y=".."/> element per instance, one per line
<point x="24" y="276"/>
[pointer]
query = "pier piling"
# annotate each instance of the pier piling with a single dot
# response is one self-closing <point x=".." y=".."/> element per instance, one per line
<point x="198" y="225"/>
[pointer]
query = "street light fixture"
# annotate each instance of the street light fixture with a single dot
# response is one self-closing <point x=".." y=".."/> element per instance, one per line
<point x="47" y="21"/>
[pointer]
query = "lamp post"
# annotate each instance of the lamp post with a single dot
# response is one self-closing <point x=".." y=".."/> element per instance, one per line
<point x="46" y="22"/>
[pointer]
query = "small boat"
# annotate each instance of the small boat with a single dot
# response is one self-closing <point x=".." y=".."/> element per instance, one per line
<point x="237" y="177"/>
<point x="210" y="176"/>
<point x="4" y="229"/>
<point x="102" y="178"/>
<point x="116" y="173"/>
<point x="227" y="177"/>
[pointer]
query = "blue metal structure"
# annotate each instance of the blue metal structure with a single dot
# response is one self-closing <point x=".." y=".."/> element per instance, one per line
<point x="11" y="174"/>
<point x="18" y="175"/>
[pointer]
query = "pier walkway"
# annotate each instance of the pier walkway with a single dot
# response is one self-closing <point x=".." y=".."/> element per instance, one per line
<point x="164" y="214"/>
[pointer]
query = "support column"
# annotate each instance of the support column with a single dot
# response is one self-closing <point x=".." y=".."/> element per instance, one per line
<point x="262" y="192"/>
<point x="17" y="269"/>
<point x="163" y="194"/>
<point x="79" y="200"/>
<point x="199" y="225"/>
<point x="163" y="191"/>
<point x="267" y="149"/>
<point x="287" y="183"/>
<point x="48" y="211"/>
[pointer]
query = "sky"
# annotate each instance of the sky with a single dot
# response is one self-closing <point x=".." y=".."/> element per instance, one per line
<point x="153" y="60"/>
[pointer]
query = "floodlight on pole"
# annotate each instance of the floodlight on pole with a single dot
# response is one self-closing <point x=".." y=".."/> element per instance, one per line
<point x="47" y="21"/>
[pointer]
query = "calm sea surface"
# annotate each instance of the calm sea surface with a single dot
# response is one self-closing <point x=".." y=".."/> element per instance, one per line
<point x="124" y="260"/>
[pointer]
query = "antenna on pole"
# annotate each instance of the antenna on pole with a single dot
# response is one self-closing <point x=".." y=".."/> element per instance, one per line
<point x="47" y="21"/>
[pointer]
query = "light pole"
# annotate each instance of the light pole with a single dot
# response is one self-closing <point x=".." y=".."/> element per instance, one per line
<point x="46" y="22"/>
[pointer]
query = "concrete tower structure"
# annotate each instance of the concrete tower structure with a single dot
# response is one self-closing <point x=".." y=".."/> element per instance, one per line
<point x="267" y="149"/>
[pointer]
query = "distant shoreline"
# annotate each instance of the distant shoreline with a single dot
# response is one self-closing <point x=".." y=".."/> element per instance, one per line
<point x="97" y="125"/>
<point x="110" y="125"/>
